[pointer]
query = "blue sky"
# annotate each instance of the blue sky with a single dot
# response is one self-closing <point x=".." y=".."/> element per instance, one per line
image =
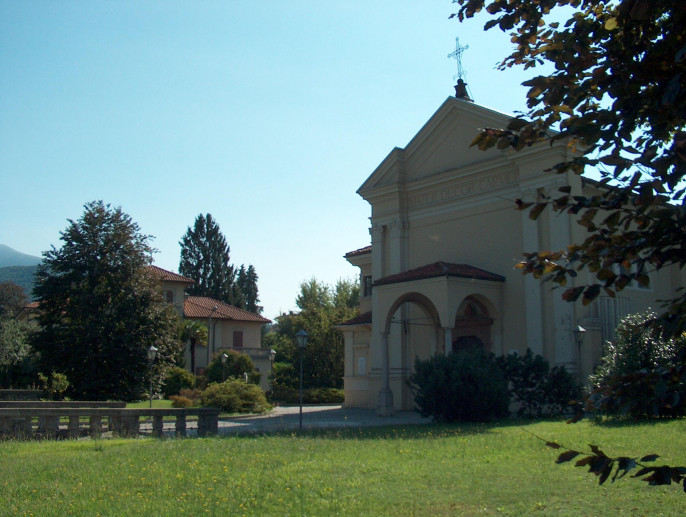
<point x="267" y="114"/>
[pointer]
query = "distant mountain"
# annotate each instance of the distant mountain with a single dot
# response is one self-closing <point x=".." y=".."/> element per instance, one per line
<point x="21" y="275"/>
<point x="10" y="257"/>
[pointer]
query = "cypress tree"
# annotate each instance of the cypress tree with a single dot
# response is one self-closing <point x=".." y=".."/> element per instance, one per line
<point x="205" y="259"/>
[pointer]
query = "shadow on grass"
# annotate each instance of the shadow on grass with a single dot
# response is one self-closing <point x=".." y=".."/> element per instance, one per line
<point x="629" y="423"/>
<point x="432" y="430"/>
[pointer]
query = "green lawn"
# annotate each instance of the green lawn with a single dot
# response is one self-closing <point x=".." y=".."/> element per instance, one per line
<point x="156" y="403"/>
<point x="414" y="470"/>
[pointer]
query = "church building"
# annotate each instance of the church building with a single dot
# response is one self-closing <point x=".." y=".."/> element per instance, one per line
<point x="439" y="274"/>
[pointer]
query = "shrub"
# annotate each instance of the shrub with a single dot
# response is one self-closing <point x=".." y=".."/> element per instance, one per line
<point x="535" y="386"/>
<point x="55" y="386"/>
<point x="323" y="396"/>
<point x="642" y="374"/>
<point x="562" y="390"/>
<point x="284" y="375"/>
<point x="236" y="365"/>
<point x="310" y="395"/>
<point x="201" y="382"/>
<point x="176" y="380"/>
<point x="235" y="396"/>
<point x="285" y="394"/>
<point x="192" y="394"/>
<point x="465" y="386"/>
<point x="637" y="346"/>
<point x="180" y="402"/>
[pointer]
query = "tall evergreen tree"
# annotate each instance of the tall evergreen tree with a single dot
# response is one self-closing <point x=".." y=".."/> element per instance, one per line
<point x="205" y="259"/>
<point x="246" y="282"/>
<point x="100" y="309"/>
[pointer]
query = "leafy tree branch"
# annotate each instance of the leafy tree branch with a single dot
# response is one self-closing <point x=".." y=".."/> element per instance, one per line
<point x="602" y="465"/>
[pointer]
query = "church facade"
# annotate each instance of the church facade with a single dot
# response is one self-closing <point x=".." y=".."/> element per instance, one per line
<point x="439" y="274"/>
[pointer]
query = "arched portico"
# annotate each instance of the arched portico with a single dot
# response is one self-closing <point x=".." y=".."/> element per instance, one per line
<point x="474" y="324"/>
<point x="419" y="318"/>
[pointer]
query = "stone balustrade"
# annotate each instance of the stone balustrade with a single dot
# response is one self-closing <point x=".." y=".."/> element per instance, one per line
<point x="21" y="394"/>
<point x="44" y="404"/>
<point x="72" y="422"/>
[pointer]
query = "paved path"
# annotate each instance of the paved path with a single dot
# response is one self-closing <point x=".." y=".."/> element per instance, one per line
<point x="287" y="418"/>
<point x="315" y="417"/>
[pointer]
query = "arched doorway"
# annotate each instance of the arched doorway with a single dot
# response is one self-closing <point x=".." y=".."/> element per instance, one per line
<point x="473" y="326"/>
<point x="412" y="330"/>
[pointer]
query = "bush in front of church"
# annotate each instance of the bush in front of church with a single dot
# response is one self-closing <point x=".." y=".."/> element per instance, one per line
<point x="467" y="386"/>
<point x="538" y="389"/>
<point x="642" y="373"/>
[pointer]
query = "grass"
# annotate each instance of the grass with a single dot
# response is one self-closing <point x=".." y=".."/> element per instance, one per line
<point x="413" y="470"/>
<point x="145" y="404"/>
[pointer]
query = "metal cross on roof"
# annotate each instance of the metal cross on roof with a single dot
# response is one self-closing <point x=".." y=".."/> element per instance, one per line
<point x="457" y="56"/>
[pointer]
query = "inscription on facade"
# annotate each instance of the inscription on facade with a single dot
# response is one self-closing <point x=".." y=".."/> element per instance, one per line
<point x="461" y="190"/>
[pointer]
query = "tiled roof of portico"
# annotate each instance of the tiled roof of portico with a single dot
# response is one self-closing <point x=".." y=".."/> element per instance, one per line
<point x="362" y="319"/>
<point x="361" y="251"/>
<point x="203" y="307"/>
<point x="440" y="269"/>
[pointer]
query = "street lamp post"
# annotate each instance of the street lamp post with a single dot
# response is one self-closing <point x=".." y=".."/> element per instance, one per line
<point x="272" y="356"/>
<point x="301" y="338"/>
<point x="579" y="333"/>
<point x="152" y="353"/>
<point x="224" y="359"/>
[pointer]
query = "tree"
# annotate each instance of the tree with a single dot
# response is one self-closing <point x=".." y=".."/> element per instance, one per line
<point x="617" y="97"/>
<point x="246" y="287"/>
<point x="205" y="259"/>
<point x="100" y="308"/>
<point x="194" y="332"/>
<point x="12" y="299"/>
<point x="321" y="310"/>
<point x="14" y="349"/>
<point x="237" y="365"/>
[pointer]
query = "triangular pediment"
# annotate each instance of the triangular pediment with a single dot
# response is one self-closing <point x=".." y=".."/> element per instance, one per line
<point x="442" y="144"/>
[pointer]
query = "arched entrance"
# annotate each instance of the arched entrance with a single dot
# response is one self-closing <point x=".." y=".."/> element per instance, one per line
<point x="412" y="330"/>
<point x="473" y="326"/>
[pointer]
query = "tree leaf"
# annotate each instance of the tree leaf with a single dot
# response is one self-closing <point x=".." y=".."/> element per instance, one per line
<point x="611" y="24"/>
<point x="536" y="210"/>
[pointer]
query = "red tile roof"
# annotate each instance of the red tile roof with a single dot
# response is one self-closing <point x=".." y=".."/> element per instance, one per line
<point x="362" y="319"/>
<point x="203" y="307"/>
<point x="439" y="269"/>
<point x="167" y="276"/>
<point x="361" y="251"/>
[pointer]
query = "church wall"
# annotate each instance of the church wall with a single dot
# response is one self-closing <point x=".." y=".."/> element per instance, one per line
<point x="487" y="237"/>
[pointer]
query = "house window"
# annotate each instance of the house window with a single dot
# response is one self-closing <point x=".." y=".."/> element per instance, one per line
<point x="367" y="286"/>
<point x="238" y="339"/>
<point x="170" y="296"/>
